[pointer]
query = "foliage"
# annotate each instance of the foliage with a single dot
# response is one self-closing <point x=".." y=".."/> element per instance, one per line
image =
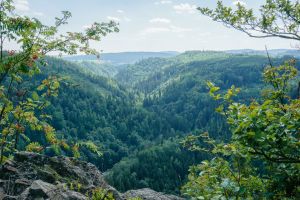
<point x="265" y="133"/>
<point x="161" y="167"/>
<point x="262" y="132"/>
<point x="21" y="108"/>
<point x="101" y="194"/>
<point x="216" y="179"/>
<point x="278" y="18"/>
<point x="76" y="186"/>
<point x="34" y="147"/>
<point x="229" y="175"/>
<point x="270" y="129"/>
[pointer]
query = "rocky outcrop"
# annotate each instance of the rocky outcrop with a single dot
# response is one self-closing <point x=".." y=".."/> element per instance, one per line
<point x="35" y="176"/>
<point x="43" y="190"/>
<point x="149" y="195"/>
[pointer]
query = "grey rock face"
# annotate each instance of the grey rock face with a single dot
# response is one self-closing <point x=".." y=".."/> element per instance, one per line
<point x="42" y="190"/>
<point x="148" y="194"/>
<point x="34" y="176"/>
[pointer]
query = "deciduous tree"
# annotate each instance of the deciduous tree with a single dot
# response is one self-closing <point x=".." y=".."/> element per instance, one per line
<point x="262" y="160"/>
<point x="21" y="106"/>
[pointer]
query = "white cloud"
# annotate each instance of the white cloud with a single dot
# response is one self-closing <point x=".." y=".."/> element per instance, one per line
<point x="116" y="19"/>
<point x="185" y="8"/>
<point x="127" y="19"/>
<point x="242" y="3"/>
<point x="24" y="7"/>
<point x="160" y="20"/>
<point x="151" y="30"/>
<point x="119" y="19"/>
<point x="87" y="26"/>
<point x="21" y="5"/>
<point x="38" y="13"/>
<point x="170" y="29"/>
<point x="163" y="2"/>
<point x="177" y="29"/>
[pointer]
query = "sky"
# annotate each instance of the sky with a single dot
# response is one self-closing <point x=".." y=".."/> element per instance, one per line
<point x="151" y="25"/>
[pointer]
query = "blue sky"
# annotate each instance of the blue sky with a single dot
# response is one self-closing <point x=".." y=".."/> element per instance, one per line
<point x="151" y="25"/>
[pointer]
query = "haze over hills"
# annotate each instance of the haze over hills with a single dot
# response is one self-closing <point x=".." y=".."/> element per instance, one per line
<point x="123" y="57"/>
<point x="272" y="52"/>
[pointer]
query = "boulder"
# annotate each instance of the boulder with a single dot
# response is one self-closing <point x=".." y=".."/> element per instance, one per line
<point x="39" y="189"/>
<point x="148" y="194"/>
<point x="42" y="190"/>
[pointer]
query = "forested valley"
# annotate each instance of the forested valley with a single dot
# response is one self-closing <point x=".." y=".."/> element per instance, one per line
<point x="80" y="124"/>
<point x="139" y="113"/>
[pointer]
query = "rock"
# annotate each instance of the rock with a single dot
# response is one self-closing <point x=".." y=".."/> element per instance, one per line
<point x="46" y="176"/>
<point x="29" y="157"/>
<point x="148" y="194"/>
<point x="34" y="176"/>
<point x="21" y="185"/>
<point x="70" y="195"/>
<point x="42" y="190"/>
<point x="2" y="193"/>
<point x="10" y="198"/>
<point x="10" y="169"/>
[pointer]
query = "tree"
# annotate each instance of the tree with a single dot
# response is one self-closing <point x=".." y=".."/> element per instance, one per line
<point x="263" y="132"/>
<point x="278" y="18"/>
<point x="22" y="105"/>
<point x="262" y="160"/>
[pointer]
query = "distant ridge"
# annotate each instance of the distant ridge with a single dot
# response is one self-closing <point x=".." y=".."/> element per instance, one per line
<point x="123" y="57"/>
<point x="133" y="57"/>
<point x="272" y="52"/>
